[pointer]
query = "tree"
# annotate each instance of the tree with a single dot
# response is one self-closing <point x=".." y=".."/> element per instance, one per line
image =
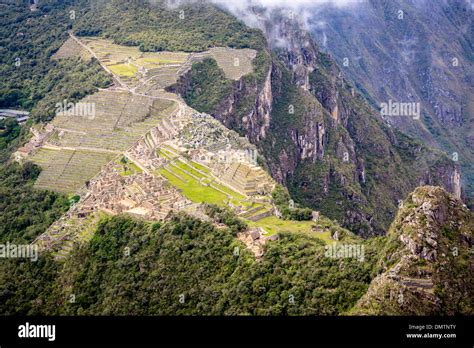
<point x="124" y="161"/>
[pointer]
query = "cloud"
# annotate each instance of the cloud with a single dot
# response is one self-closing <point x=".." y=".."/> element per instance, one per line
<point x="296" y="5"/>
<point x="258" y="13"/>
<point x="242" y="9"/>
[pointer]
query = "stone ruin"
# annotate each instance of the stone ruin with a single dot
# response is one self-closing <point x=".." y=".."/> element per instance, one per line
<point x="35" y="143"/>
<point x="255" y="240"/>
<point x="142" y="195"/>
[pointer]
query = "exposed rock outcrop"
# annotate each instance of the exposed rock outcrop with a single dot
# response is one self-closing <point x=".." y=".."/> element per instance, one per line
<point x="427" y="265"/>
<point x="410" y="51"/>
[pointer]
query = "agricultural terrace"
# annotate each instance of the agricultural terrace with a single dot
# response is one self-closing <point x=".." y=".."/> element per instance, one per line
<point x="67" y="170"/>
<point x="71" y="49"/>
<point x="69" y="230"/>
<point x="273" y="225"/>
<point x="159" y="69"/>
<point x="200" y="186"/>
<point x="80" y="145"/>
<point x="156" y="70"/>
<point x="120" y="119"/>
<point x="234" y="62"/>
<point x="195" y="181"/>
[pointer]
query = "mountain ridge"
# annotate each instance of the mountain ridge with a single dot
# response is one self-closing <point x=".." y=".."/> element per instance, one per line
<point x="429" y="250"/>
<point x="306" y="123"/>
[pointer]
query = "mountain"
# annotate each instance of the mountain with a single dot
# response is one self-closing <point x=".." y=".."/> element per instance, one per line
<point x="316" y="134"/>
<point x="185" y="266"/>
<point x="180" y="162"/>
<point x="319" y="136"/>
<point x="428" y="251"/>
<point x="410" y="51"/>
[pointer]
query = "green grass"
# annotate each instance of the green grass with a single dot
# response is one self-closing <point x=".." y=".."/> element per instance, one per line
<point x="128" y="70"/>
<point x="131" y="168"/>
<point x="192" y="188"/>
<point x="167" y="153"/>
<point x="200" y="167"/>
<point x="196" y="190"/>
<point x="273" y="225"/>
<point x="190" y="169"/>
<point x="156" y="62"/>
<point x="235" y="195"/>
<point x="200" y="172"/>
<point x="164" y="154"/>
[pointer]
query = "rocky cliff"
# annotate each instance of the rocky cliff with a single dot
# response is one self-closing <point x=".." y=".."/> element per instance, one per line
<point x="427" y="265"/>
<point x="410" y="51"/>
<point x="321" y="138"/>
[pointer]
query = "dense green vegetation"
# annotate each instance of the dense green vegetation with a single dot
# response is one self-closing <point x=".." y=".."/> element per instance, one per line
<point x="9" y="130"/>
<point x="190" y="28"/>
<point x="207" y="86"/>
<point x="24" y="211"/>
<point x="71" y="80"/>
<point x="22" y="281"/>
<point x="281" y="198"/>
<point x="226" y="217"/>
<point x="36" y="82"/>
<point x="206" y="89"/>
<point x="185" y="266"/>
<point x="11" y="135"/>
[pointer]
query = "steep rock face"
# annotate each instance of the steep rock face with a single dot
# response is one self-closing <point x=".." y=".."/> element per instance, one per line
<point x="297" y="51"/>
<point x="427" y="265"/>
<point x="247" y="107"/>
<point x="257" y="122"/>
<point x="348" y="162"/>
<point x="410" y="51"/>
<point x="320" y="137"/>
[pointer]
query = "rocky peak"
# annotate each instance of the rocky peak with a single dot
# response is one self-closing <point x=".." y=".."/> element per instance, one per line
<point x="294" y="46"/>
<point x="427" y="264"/>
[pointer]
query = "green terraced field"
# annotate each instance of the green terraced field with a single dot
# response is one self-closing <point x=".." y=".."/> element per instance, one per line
<point x="150" y="61"/>
<point x="234" y="62"/>
<point x="124" y="69"/>
<point x="72" y="49"/>
<point x="196" y="181"/>
<point x="85" y="145"/>
<point x="120" y="120"/>
<point x="192" y="188"/>
<point x="194" y="171"/>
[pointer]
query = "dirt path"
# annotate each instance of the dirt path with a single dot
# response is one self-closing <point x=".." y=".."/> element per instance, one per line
<point x="95" y="56"/>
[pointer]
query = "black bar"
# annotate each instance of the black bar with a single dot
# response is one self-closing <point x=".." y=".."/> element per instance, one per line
<point x="224" y="331"/>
